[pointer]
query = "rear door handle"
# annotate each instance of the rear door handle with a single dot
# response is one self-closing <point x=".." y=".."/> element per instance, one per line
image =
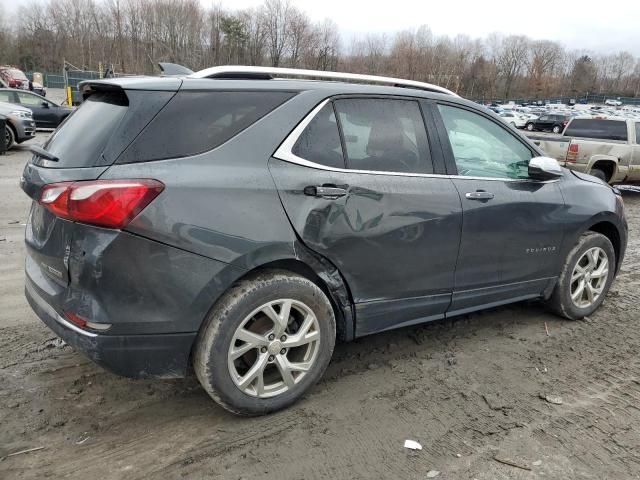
<point x="479" y="195"/>
<point x="325" y="191"/>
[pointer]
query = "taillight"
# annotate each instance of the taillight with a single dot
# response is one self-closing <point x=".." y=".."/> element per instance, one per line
<point x="572" y="152"/>
<point x="106" y="203"/>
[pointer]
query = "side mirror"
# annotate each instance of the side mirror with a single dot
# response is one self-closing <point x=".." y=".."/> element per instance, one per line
<point x="45" y="104"/>
<point x="544" y="168"/>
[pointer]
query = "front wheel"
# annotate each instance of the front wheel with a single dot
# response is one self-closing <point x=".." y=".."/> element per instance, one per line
<point x="9" y="136"/>
<point x="556" y="129"/>
<point x="265" y="343"/>
<point x="586" y="277"/>
<point x="530" y="127"/>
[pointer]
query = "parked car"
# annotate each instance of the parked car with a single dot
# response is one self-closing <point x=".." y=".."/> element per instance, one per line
<point x="548" y="122"/>
<point x="608" y="149"/>
<point x="514" y="119"/>
<point x="39" y="89"/>
<point x="243" y="224"/>
<point x="46" y="113"/>
<point x="20" y="124"/>
<point x="14" y="78"/>
<point x="612" y="102"/>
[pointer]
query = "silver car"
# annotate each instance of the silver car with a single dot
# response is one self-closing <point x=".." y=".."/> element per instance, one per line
<point x="20" y="123"/>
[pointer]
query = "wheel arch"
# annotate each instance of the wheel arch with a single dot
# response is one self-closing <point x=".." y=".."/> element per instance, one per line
<point x="609" y="165"/>
<point x="319" y="271"/>
<point x="327" y="277"/>
<point x="610" y="230"/>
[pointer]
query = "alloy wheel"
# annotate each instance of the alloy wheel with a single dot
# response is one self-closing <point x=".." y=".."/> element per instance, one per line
<point x="589" y="277"/>
<point x="274" y="347"/>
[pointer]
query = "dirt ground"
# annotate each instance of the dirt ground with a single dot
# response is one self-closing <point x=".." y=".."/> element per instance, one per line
<point x="469" y="390"/>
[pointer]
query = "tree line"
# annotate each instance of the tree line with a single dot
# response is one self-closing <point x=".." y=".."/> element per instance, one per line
<point x="133" y="35"/>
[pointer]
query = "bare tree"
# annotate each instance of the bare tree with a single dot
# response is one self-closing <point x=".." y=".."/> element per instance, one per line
<point x="511" y="59"/>
<point x="132" y="35"/>
<point x="276" y="15"/>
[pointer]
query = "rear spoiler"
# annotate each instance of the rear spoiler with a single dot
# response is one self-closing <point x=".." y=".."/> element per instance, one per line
<point x="171" y="84"/>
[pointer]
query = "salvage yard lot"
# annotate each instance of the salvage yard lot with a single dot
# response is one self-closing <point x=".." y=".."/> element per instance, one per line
<point x="468" y="390"/>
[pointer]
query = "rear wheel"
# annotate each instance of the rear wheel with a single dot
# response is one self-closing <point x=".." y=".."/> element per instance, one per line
<point x="267" y="340"/>
<point x="598" y="173"/>
<point x="586" y="277"/>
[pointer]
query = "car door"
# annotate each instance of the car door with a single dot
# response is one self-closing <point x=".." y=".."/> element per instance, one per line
<point x="363" y="186"/>
<point x="543" y="123"/>
<point x="512" y="225"/>
<point x="44" y="116"/>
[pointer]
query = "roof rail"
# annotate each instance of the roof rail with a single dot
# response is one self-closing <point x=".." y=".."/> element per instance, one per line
<point x="242" y="72"/>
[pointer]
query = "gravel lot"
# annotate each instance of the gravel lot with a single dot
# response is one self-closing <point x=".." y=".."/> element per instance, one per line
<point x="470" y="391"/>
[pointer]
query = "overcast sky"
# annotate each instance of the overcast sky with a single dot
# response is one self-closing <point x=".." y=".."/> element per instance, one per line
<point x="582" y="24"/>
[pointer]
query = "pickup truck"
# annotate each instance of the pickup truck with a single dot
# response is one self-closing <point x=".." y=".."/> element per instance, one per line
<point x="605" y="148"/>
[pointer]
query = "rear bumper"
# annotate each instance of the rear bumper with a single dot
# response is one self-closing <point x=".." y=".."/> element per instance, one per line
<point x="136" y="356"/>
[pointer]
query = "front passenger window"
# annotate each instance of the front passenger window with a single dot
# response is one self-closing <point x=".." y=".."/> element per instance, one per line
<point x="26" y="99"/>
<point x="482" y="148"/>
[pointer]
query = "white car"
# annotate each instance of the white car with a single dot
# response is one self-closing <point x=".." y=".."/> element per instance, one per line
<point x="514" y="119"/>
<point x="613" y="103"/>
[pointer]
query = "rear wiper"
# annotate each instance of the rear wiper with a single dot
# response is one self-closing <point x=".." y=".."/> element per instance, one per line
<point x="42" y="153"/>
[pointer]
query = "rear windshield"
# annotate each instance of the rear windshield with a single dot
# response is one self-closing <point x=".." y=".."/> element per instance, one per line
<point x="82" y="138"/>
<point x="594" y="128"/>
<point x="17" y="74"/>
<point x="195" y="122"/>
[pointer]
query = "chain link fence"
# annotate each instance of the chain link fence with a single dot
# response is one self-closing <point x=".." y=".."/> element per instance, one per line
<point x="74" y="77"/>
<point x="591" y="98"/>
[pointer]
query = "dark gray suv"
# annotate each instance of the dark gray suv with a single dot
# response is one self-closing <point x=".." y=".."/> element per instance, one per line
<point x="241" y="223"/>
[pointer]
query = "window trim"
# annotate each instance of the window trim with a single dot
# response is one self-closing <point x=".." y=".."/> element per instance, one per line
<point x="284" y="151"/>
<point x="421" y="113"/>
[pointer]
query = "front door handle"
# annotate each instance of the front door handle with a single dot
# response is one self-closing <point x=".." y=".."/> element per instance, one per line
<point x="479" y="195"/>
<point x="325" y="191"/>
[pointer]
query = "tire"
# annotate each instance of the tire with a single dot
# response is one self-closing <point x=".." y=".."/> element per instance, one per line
<point x="556" y="129"/>
<point x="530" y="127"/>
<point x="238" y="310"/>
<point x="598" y="173"/>
<point x="10" y="137"/>
<point x="560" y="301"/>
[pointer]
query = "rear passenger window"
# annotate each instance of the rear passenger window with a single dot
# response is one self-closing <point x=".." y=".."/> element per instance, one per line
<point x="6" y="96"/>
<point x="320" y="141"/>
<point x="384" y="135"/>
<point x="638" y="133"/>
<point x="196" y="122"/>
<point x="595" y="128"/>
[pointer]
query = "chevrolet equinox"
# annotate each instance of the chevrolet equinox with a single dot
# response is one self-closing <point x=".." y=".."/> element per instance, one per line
<point x="241" y="220"/>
